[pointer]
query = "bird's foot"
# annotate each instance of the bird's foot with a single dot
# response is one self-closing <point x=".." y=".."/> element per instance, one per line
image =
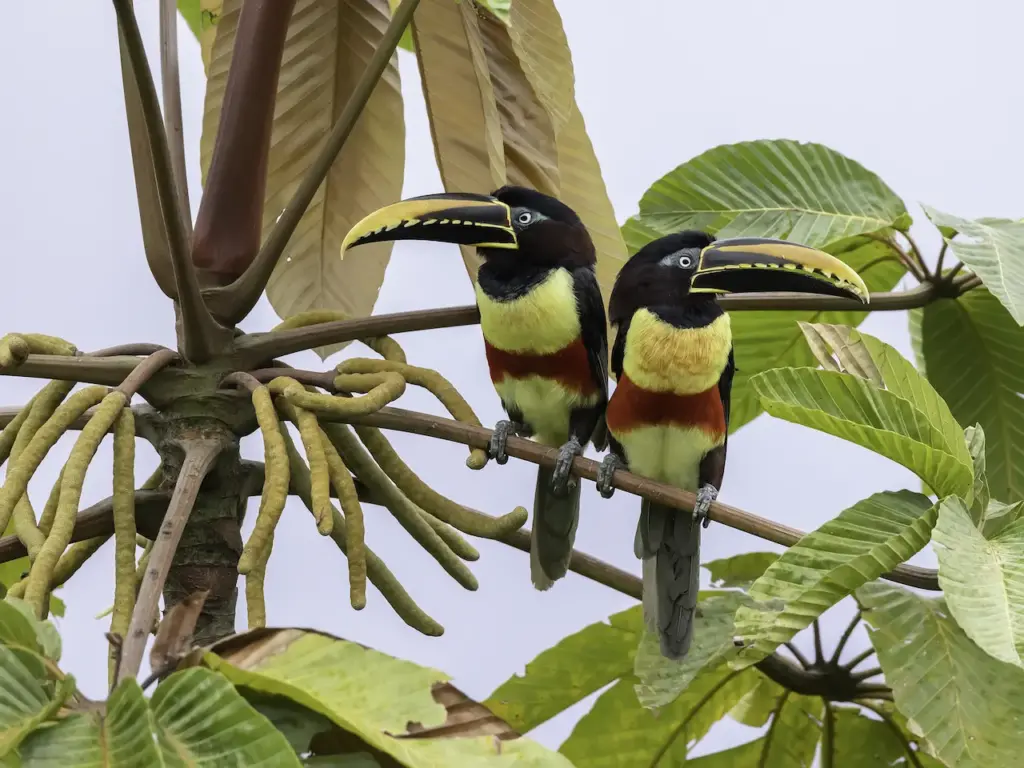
<point x="561" y="479"/>
<point x="496" y="448"/>
<point x="707" y="494"/>
<point x="605" y="472"/>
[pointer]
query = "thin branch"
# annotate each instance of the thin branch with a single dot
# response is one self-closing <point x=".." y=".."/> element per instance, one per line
<point x="199" y="458"/>
<point x="238" y="299"/>
<point x="230" y="217"/>
<point x="587" y="566"/>
<point x="146" y="370"/>
<point x="844" y="638"/>
<point x="874" y="692"/>
<point x="819" y="654"/>
<point x="861" y="676"/>
<point x="257" y="349"/>
<point x="865" y="654"/>
<point x="170" y="79"/>
<point x="479" y="437"/>
<point x="109" y="371"/>
<point x="911" y="752"/>
<point x="98" y="520"/>
<point x="955" y="271"/>
<point x="142" y="412"/>
<point x="798" y="655"/>
<point x="917" y="253"/>
<point x="199" y="333"/>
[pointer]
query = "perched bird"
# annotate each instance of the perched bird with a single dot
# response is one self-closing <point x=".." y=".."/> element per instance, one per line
<point x="668" y="417"/>
<point x="544" y="329"/>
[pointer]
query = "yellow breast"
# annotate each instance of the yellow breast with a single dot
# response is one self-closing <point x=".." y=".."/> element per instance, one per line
<point x="662" y="358"/>
<point x="542" y="321"/>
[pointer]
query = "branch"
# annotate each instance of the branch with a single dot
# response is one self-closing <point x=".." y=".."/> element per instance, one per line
<point x="479" y="437"/>
<point x="171" y="81"/>
<point x="199" y="458"/>
<point x="237" y="300"/>
<point x="199" y="333"/>
<point x="142" y="413"/>
<point x="230" y="217"/>
<point x="109" y="371"/>
<point x="259" y="348"/>
<point x="146" y="370"/>
<point x="138" y="349"/>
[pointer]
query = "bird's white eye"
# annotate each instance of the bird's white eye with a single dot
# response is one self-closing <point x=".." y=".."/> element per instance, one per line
<point x="524" y="218"/>
<point x="685" y="261"/>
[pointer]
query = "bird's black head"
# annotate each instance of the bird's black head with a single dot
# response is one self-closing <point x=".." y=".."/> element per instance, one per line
<point x="659" y="274"/>
<point x="515" y="225"/>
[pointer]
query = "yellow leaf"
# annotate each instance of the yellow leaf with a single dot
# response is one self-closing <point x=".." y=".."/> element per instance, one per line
<point x="328" y="47"/>
<point x="540" y="43"/>
<point x="457" y="88"/>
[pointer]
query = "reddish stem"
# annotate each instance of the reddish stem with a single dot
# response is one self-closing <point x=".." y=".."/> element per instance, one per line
<point x="230" y="218"/>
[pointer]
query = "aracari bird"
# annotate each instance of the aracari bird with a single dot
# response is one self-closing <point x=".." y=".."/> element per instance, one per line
<point x="668" y="417"/>
<point x="545" y="337"/>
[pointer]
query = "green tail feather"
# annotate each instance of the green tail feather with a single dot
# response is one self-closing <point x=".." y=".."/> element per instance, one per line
<point x="668" y="540"/>
<point x="554" y="530"/>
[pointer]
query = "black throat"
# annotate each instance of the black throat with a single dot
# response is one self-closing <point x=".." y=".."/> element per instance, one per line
<point x="506" y="276"/>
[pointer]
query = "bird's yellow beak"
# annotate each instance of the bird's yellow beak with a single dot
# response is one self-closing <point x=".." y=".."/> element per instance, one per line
<point x="451" y="217"/>
<point x="755" y="264"/>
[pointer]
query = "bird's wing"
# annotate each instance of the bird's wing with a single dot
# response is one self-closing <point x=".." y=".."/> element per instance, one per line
<point x="593" y="325"/>
<point x="725" y="386"/>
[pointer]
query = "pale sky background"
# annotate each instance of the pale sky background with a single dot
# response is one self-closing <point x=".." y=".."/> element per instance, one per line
<point x="922" y="93"/>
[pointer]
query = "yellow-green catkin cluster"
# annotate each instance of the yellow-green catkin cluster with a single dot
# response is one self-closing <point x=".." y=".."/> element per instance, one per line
<point x="124" y="531"/>
<point x="336" y="457"/>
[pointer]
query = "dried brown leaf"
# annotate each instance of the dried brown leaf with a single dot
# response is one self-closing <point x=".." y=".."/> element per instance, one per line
<point x="174" y="635"/>
<point x="464" y="119"/>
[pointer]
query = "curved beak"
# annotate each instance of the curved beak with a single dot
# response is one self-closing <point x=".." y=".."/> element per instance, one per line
<point x="452" y="217"/>
<point x="755" y="264"/>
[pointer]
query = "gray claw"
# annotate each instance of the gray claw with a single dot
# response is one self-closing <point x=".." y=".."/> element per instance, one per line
<point x="496" y="448"/>
<point x="605" y="473"/>
<point x="561" y="479"/>
<point x="707" y="494"/>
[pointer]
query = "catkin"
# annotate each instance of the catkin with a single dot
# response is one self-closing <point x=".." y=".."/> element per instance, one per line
<point x="275" y="481"/>
<point x="255" y="600"/>
<point x="124" y="522"/>
<point x="385" y="346"/>
<point x="71" y="491"/>
<point x="376" y="571"/>
<point x="341" y="479"/>
<point x="380" y="389"/>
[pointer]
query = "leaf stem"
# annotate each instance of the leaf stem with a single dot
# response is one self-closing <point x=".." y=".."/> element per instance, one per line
<point x="865" y="654"/>
<point x="828" y="737"/>
<point x="236" y="300"/>
<point x="260" y="348"/>
<point x="860" y="676"/>
<point x="845" y="638"/>
<point x="917" y="253"/>
<point x="905" y="259"/>
<point x="199" y="334"/>
<point x="170" y="79"/>
<point x="199" y="458"/>
<point x="798" y="655"/>
<point x="819" y="654"/>
<point x="941" y="259"/>
<point x="765" y="753"/>
<point x="681" y="728"/>
<point x="911" y="752"/>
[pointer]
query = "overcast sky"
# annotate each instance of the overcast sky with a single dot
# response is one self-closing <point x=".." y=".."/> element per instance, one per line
<point x="926" y="94"/>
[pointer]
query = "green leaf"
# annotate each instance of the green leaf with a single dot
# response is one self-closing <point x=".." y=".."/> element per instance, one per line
<point x="199" y="717"/>
<point x="12" y="632"/>
<point x="755" y="709"/>
<point x="191" y="13"/>
<point x="617" y="732"/>
<point x="569" y="671"/>
<point x="298" y="724"/>
<point x="368" y="694"/>
<point x="358" y="760"/>
<point x="771" y="339"/>
<point x="661" y="679"/>
<point x="982" y="578"/>
<point x="864" y="742"/>
<point x="771" y="188"/>
<point x="968" y="706"/>
<point x="741" y="756"/>
<point x="739" y="570"/>
<point x="859" y="545"/>
<point x="29" y="699"/>
<point x="970" y="350"/>
<point x="994" y="250"/>
<point x="907" y="421"/>
<point x="976" y="445"/>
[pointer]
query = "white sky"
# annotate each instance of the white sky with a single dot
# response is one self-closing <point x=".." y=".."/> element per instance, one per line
<point x="916" y="91"/>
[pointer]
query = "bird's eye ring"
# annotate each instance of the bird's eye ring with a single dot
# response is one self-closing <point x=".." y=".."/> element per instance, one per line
<point x="524" y="218"/>
<point x="685" y="261"/>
